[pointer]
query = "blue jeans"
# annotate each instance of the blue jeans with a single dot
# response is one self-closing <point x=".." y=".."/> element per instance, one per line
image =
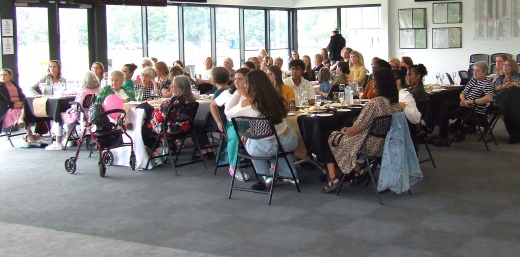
<point x="268" y="147"/>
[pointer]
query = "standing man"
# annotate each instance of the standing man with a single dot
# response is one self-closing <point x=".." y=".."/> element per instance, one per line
<point x="336" y="43"/>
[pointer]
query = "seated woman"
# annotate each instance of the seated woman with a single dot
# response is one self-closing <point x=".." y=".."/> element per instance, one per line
<point x="505" y="97"/>
<point x="275" y="76"/>
<point x="324" y="76"/>
<point x="89" y="85"/>
<point x="318" y="64"/>
<point x="163" y="80"/>
<point x="148" y="85"/>
<point x="52" y="77"/>
<point x="414" y="80"/>
<point x="263" y="100"/>
<point x="395" y="63"/>
<point x="117" y="88"/>
<point x="99" y="69"/>
<point x="308" y="74"/>
<point x="248" y="65"/>
<point x="343" y="71"/>
<point x="499" y="68"/>
<point x="256" y="61"/>
<point x="11" y="100"/>
<point x="206" y="77"/>
<point x="345" y="53"/>
<point x="228" y="64"/>
<point x="221" y="100"/>
<point x="344" y="151"/>
<point x="358" y="72"/>
<point x="477" y="94"/>
<point x="406" y="100"/>
<point x="129" y="69"/>
<point x="325" y="56"/>
<point x="369" y="92"/>
<point x="182" y="94"/>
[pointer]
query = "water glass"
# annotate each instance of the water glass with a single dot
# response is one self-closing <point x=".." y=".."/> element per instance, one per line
<point x="454" y="76"/>
<point x="317" y="101"/>
<point x="341" y="96"/>
<point x="341" y="87"/>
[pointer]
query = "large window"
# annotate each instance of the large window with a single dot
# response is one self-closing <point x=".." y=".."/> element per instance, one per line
<point x="163" y="33"/>
<point x="228" y="34"/>
<point x="197" y="34"/>
<point x="33" y="45"/>
<point x="254" y="29"/>
<point x="362" y="31"/>
<point x="74" y="43"/>
<point x="124" y="30"/>
<point x="314" y="29"/>
<point x="279" y="34"/>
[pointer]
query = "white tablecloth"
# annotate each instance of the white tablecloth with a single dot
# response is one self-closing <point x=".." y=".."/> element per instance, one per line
<point x="122" y="154"/>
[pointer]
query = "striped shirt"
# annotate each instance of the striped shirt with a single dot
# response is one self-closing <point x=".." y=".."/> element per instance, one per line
<point x="476" y="90"/>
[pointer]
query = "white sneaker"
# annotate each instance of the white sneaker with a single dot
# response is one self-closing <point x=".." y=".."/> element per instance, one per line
<point x="54" y="147"/>
<point x="69" y="144"/>
<point x="268" y="180"/>
<point x="290" y="180"/>
<point x="241" y="176"/>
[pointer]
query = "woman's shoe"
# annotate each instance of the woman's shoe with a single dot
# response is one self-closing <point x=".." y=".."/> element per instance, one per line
<point x="361" y="178"/>
<point x="332" y="185"/>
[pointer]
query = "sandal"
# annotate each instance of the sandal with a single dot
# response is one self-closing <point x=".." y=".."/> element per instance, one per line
<point x="30" y="139"/>
<point x="360" y="178"/>
<point x="331" y="186"/>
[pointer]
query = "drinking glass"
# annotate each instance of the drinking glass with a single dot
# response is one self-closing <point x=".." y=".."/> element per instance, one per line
<point x="42" y="87"/>
<point x="341" y="96"/>
<point x="442" y="79"/>
<point x="437" y="76"/>
<point x="317" y="101"/>
<point x="454" y="76"/>
<point x="305" y="98"/>
<point x="139" y="95"/>
<point x="316" y="74"/>
<point x="341" y="87"/>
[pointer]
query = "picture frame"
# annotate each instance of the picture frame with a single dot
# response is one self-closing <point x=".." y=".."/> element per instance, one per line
<point x="412" y="18"/>
<point x="444" y="38"/>
<point x="413" y="39"/>
<point x="445" y="13"/>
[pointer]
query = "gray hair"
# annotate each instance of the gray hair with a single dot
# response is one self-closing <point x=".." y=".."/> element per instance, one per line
<point x="184" y="85"/>
<point x="278" y="59"/>
<point x="118" y="74"/>
<point x="148" y="61"/>
<point x="228" y="59"/>
<point x="483" y="66"/>
<point x="149" y="71"/>
<point x="90" y="80"/>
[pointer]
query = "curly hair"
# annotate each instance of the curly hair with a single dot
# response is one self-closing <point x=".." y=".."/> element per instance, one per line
<point x="265" y="98"/>
<point x="219" y="75"/>
<point x="386" y="86"/>
<point x="419" y="69"/>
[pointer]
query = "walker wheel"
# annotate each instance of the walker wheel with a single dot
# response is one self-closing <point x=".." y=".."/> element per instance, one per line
<point x="70" y="165"/>
<point x="132" y="161"/>
<point x="102" y="168"/>
<point x="109" y="158"/>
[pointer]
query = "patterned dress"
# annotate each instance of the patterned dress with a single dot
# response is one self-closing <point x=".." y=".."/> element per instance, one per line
<point x="499" y="95"/>
<point x="348" y="147"/>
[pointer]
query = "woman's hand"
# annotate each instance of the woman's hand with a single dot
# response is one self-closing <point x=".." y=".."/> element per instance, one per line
<point x="18" y="105"/>
<point x="244" y="140"/>
<point x="344" y="130"/>
<point x="402" y="105"/>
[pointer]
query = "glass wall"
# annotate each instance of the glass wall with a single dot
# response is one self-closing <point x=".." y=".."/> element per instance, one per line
<point x="74" y="43"/>
<point x="314" y="29"/>
<point x="279" y="34"/>
<point x="163" y="33"/>
<point x="124" y="34"/>
<point x="362" y="31"/>
<point x="228" y="35"/>
<point x="254" y="29"/>
<point x="197" y="33"/>
<point x="33" y="33"/>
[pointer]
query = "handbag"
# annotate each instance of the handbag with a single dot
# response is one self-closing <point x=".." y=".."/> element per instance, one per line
<point x="337" y="139"/>
<point x="71" y="116"/>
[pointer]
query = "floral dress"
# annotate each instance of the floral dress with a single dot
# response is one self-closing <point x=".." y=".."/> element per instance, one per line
<point x="499" y="95"/>
<point x="346" y="151"/>
<point x="159" y="117"/>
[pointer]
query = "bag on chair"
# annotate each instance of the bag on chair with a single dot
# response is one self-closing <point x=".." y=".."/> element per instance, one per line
<point x="102" y="124"/>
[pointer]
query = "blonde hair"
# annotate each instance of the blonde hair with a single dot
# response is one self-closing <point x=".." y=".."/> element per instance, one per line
<point x="360" y="56"/>
<point x="396" y="61"/>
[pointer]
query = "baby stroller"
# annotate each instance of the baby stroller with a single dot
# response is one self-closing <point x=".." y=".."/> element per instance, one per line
<point x="106" y="135"/>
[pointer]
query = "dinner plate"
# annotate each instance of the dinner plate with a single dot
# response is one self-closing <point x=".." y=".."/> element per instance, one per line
<point x="291" y="114"/>
<point x="324" y="114"/>
<point x="134" y="102"/>
<point x="364" y="100"/>
<point x="304" y="113"/>
<point x="336" y="105"/>
<point x="343" y="110"/>
<point x="438" y="89"/>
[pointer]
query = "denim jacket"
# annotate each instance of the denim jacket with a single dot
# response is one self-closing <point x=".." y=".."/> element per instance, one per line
<point x="399" y="167"/>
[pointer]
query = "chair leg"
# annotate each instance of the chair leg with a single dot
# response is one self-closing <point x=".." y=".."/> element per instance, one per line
<point x="200" y="152"/>
<point x="482" y="136"/>
<point x="151" y="152"/>
<point x="237" y="162"/>
<point x="292" y="173"/>
<point x="372" y="177"/>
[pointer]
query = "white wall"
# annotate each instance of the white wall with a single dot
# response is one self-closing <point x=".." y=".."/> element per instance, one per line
<point x="446" y="60"/>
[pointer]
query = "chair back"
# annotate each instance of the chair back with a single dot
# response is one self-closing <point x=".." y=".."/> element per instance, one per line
<point x="253" y="128"/>
<point x="222" y="117"/>
<point x="495" y="55"/>
<point x="464" y="77"/>
<point x="518" y="58"/>
<point x="179" y="114"/>
<point x="379" y="128"/>
<point x="450" y="79"/>
<point x="479" y="57"/>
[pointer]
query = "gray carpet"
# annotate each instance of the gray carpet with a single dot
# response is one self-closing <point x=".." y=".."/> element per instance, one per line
<point x="467" y="206"/>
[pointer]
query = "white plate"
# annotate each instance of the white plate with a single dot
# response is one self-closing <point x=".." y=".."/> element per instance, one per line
<point x="304" y="113"/>
<point x="343" y="110"/>
<point x="324" y="114"/>
<point x="134" y="102"/>
<point x="365" y="100"/>
<point x="336" y="105"/>
<point x="291" y="114"/>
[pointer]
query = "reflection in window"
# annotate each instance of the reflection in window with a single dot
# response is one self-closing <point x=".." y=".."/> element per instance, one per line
<point x="362" y="30"/>
<point x="124" y="34"/>
<point x="228" y="43"/>
<point x="74" y="43"/>
<point x="279" y="34"/>
<point x="197" y="33"/>
<point x="314" y="29"/>
<point x="163" y="31"/>
<point x="33" y="33"/>
<point x="254" y="29"/>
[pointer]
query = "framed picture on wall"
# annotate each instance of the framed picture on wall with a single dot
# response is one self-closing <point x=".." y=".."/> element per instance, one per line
<point x="443" y="38"/>
<point x="412" y="18"/>
<point x="447" y="13"/>
<point x="412" y="39"/>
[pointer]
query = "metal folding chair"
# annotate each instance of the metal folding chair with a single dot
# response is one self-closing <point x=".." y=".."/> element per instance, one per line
<point x="482" y="124"/>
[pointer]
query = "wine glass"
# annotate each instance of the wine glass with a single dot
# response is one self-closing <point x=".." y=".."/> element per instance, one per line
<point x="454" y="76"/>
<point x="305" y="98"/>
<point x="437" y="76"/>
<point x="342" y="87"/>
<point x="442" y="79"/>
<point x="317" y="101"/>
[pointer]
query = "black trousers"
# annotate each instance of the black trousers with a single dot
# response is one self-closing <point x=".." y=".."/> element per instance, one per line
<point x="449" y="110"/>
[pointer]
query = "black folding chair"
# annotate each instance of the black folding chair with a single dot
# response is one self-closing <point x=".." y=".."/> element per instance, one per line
<point x="259" y="128"/>
<point x="183" y="113"/>
<point x="464" y="77"/>
<point x="377" y="131"/>
<point x="478" y="120"/>
<point x="420" y="132"/>
<point x="479" y="57"/>
<point x="493" y="114"/>
<point x="206" y="88"/>
<point x="87" y="102"/>
<point x="222" y="138"/>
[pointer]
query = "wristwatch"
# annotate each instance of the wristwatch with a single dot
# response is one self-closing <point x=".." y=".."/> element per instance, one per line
<point x="474" y="101"/>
